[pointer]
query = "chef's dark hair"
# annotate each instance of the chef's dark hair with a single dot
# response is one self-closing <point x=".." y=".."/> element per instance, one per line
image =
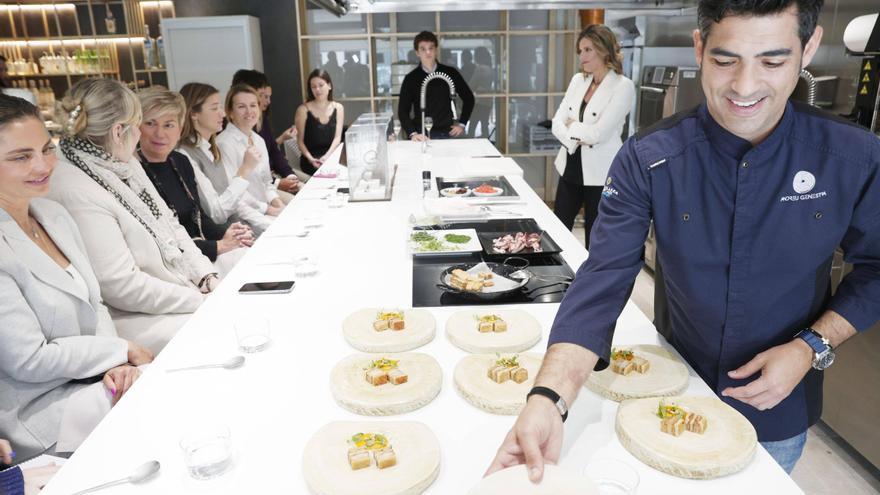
<point x="425" y="36"/>
<point x="712" y="11"/>
<point x="13" y="108"/>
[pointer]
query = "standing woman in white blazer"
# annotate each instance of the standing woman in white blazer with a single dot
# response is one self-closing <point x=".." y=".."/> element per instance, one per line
<point x="151" y="273"/>
<point x="54" y="328"/>
<point x="588" y="123"/>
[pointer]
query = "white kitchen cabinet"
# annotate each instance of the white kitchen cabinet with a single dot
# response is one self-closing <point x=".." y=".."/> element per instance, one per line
<point x="210" y="49"/>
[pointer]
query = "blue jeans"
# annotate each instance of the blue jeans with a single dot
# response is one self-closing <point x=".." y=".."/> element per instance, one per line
<point x="787" y="452"/>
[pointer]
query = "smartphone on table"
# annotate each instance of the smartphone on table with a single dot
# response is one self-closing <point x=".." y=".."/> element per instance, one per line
<point x="282" y="287"/>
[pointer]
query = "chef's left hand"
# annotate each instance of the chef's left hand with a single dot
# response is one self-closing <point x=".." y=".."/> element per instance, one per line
<point x="457" y="130"/>
<point x="782" y="368"/>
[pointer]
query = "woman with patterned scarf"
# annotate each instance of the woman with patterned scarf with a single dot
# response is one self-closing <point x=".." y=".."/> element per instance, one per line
<point x="152" y="275"/>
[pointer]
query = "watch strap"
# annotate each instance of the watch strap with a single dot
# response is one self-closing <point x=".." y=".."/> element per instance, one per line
<point x="814" y="339"/>
<point x="553" y="396"/>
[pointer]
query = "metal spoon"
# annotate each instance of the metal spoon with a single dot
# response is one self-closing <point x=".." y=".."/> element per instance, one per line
<point x="229" y="364"/>
<point x="142" y="473"/>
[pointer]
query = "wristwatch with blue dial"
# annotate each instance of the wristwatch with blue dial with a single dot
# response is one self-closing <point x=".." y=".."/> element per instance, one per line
<point x="823" y="353"/>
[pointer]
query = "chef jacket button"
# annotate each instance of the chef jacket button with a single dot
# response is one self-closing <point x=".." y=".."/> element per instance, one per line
<point x="817" y="215"/>
<point x="591" y="146"/>
<point x="686" y="217"/>
<point x="745" y="164"/>
<point x="594" y="114"/>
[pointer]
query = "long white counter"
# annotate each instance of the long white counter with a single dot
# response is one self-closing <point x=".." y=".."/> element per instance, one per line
<point x="281" y="396"/>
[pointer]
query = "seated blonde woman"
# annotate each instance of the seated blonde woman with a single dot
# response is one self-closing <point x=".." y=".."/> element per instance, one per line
<point x="239" y="139"/>
<point x="54" y="328"/>
<point x="174" y="178"/>
<point x="151" y="273"/>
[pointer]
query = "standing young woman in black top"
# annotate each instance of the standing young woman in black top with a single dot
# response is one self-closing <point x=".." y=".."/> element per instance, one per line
<point x="172" y="174"/>
<point x="318" y="122"/>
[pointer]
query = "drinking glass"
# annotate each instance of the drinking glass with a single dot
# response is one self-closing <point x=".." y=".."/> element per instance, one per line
<point x="429" y="123"/>
<point x="397" y="128"/>
<point x="253" y="333"/>
<point x="612" y="477"/>
<point x="337" y="200"/>
<point x="305" y="264"/>
<point x="207" y="451"/>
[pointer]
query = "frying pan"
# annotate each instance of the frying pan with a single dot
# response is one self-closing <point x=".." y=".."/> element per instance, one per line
<point x="501" y="269"/>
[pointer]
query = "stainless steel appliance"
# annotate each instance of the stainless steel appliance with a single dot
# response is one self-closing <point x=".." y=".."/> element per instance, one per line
<point x="666" y="90"/>
<point x="851" y="402"/>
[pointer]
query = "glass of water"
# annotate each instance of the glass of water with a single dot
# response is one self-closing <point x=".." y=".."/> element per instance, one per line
<point x="612" y="477"/>
<point x="207" y="451"/>
<point x="253" y="333"/>
<point x="305" y="264"/>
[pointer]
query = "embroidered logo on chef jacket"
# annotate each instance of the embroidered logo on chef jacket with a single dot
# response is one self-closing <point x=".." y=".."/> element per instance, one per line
<point x="803" y="183"/>
<point x="609" y="191"/>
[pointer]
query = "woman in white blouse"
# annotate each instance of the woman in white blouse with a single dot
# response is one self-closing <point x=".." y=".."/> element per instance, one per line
<point x="223" y="198"/>
<point x="239" y="138"/>
<point x="54" y="328"/>
<point x="151" y="273"/>
<point x="589" y="123"/>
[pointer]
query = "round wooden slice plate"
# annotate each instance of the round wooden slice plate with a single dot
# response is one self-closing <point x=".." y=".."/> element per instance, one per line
<point x="508" y="398"/>
<point x="523" y="332"/>
<point x="327" y="471"/>
<point x="667" y="376"/>
<point x="359" y="333"/>
<point x="726" y="447"/>
<point x="352" y="391"/>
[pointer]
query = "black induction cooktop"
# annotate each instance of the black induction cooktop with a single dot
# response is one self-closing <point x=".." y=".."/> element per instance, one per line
<point x="552" y="268"/>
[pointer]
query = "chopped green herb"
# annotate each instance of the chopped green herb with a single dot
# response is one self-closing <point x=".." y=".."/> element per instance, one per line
<point x="422" y="237"/>
<point x="457" y="238"/>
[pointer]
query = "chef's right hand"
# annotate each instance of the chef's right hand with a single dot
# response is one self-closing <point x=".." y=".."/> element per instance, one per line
<point x="535" y="439"/>
<point x="418" y="137"/>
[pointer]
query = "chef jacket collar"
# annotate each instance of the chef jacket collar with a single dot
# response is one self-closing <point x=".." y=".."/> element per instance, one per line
<point x="736" y="147"/>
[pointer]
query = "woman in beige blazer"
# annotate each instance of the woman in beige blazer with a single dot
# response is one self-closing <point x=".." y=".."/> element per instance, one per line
<point x="588" y="123"/>
<point x="152" y="275"/>
<point x="55" y="328"/>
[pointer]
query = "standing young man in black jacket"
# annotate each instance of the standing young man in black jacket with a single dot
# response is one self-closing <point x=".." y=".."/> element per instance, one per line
<point x="437" y="101"/>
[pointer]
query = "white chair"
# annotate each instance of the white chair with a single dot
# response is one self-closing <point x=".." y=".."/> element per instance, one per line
<point x="292" y="153"/>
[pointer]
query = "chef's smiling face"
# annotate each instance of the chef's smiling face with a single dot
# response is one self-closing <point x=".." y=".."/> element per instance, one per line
<point x="27" y="159"/>
<point x="749" y="68"/>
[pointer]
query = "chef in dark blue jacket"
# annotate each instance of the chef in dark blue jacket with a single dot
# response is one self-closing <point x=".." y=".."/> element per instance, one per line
<point x="750" y="194"/>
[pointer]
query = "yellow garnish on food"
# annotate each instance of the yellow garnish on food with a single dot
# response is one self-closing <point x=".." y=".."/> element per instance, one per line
<point x="665" y="410"/>
<point x="369" y="441"/>
<point x="389" y="315"/>
<point x="384" y="364"/>
<point x="508" y="362"/>
<point x="489" y="318"/>
<point x="622" y="354"/>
